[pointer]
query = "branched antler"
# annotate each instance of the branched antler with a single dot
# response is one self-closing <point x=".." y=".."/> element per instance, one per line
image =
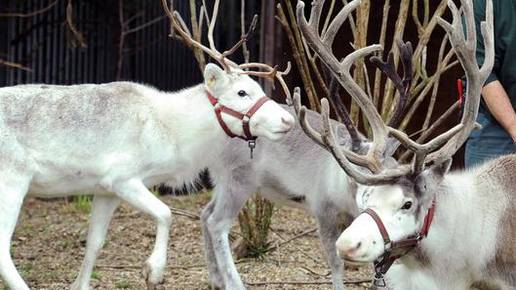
<point x="264" y="70"/>
<point x="446" y="144"/>
<point x="402" y="85"/>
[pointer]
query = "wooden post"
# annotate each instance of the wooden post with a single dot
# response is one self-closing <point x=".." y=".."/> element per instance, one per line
<point x="270" y="42"/>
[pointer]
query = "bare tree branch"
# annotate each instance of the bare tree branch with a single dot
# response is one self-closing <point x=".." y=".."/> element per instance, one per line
<point x="30" y="14"/>
<point x="79" y="38"/>
<point x="14" y="65"/>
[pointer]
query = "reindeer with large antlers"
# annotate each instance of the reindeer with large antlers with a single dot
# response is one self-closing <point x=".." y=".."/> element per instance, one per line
<point x="448" y="231"/>
<point x="329" y="197"/>
<point x="115" y="140"/>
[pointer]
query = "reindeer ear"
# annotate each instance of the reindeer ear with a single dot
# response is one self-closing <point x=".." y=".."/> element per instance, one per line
<point x="215" y="78"/>
<point x="428" y="182"/>
<point x="438" y="171"/>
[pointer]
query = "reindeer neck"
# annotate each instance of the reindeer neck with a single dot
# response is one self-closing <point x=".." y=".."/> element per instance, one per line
<point x="190" y="120"/>
<point x="458" y="227"/>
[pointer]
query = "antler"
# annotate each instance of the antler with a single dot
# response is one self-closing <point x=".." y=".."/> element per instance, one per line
<point x="180" y="27"/>
<point x="452" y="139"/>
<point x="270" y="73"/>
<point x="322" y="44"/>
<point x="265" y="71"/>
<point x="465" y="49"/>
<point x="402" y="85"/>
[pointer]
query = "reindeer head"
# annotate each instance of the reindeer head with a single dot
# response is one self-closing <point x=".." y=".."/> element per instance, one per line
<point x="401" y="208"/>
<point x="237" y="91"/>
<point x="397" y="200"/>
<point x="246" y="110"/>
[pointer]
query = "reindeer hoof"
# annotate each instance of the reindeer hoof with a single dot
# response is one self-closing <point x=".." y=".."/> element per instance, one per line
<point x="152" y="282"/>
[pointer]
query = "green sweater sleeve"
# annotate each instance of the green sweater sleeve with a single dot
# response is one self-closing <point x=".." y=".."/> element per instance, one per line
<point x="480" y="15"/>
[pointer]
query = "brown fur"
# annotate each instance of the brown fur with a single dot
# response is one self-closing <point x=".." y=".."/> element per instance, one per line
<point x="503" y="264"/>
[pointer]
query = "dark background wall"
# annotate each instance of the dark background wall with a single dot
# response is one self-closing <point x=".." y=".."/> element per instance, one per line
<point x="44" y="44"/>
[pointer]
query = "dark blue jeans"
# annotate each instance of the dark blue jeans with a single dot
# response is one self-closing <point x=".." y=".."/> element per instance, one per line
<point x="487" y="143"/>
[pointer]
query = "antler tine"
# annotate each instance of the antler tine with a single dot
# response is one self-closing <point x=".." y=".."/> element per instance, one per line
<point x="242" y="40"/>
<point x="315" y="13"/>
<point x="337" y="22"/>
<point x="281" y="80"/>
<point x="341" y="155"/>
<point x="378" y="127"/>
<point x="406" y="53"/>
<point x="301" y="113"/>
<point x="402" y="85"/>
<point x="342" y="111"/>
<point x="270" y="73"/>
<point x="211" y="26"/>
<point x="451" y="140"/>
<point x="179" y="26"/>
<point x="327" y="141"/>
<point x="341" y="72"/>
<point x="466" y="53"/>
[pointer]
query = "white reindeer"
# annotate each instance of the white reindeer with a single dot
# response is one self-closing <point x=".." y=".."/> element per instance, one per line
<point x="296" y="172"/>
<point x="115" y="140"/>
<point x="311" y="181"/>
<point x="471" y="242"/>
<point x="447" y="231"/>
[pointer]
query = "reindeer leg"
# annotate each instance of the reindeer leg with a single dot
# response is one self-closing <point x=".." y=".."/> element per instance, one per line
<point x="228" y="202"/>
<point x="137" y="195"/>
<point x="327" y="215"/>
<point x="211" y="260"/>
<point x="102" y="211"/>
<point x="11" y="199"/>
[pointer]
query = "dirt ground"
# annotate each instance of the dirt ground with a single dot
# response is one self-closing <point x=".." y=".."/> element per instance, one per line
<point x="51" y="235"/>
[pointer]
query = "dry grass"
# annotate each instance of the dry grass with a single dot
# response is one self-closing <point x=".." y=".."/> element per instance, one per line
<point x="49" y="243"/>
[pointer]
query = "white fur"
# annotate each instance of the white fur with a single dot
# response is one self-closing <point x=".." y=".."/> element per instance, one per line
<point x="294" y="171"/>
<point x="462" y="241"/>
<point x="113" y="141"/>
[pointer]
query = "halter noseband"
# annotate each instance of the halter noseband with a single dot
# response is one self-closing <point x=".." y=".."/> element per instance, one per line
<point x="246" y="119"/>
<point x="394" y="250"/>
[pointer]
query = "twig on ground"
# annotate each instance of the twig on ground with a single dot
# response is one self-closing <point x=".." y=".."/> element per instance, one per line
<point x="313" y="272"/>
<point x="297" y="248"/>
<point x="185" y="213"/>
<point x="121" y="267"/>
<point x="175" y="211"/>
<point x="354" y="282"/>
<point x="291" y="239"/>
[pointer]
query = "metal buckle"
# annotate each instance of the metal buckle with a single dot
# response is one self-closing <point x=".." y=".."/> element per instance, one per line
<point x="388" y="247"/>
<point x="246" y="119"/>
<point x="252" y="145"/>
<point x="379" y="280"/>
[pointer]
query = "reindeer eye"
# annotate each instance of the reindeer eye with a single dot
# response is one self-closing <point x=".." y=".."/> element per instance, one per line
<point x="407" y="205"/>
<point x="242" y="93"/>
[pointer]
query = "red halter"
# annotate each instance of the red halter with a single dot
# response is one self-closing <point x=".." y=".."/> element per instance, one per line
<point x="396" y="249"/>
<point x="246" y="118"/>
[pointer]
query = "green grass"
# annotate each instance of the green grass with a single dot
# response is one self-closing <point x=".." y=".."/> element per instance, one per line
<point x="95" y="275"/>
<point x="123" y="285"/>
<point x="82" y="203"/>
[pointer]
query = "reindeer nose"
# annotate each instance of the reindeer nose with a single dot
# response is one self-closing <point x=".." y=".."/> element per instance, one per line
<point x="349" y="248"/>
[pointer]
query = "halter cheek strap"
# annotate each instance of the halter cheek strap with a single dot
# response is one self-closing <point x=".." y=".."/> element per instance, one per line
<point x="394" y="250"/>
<point x="246" y="119"/>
